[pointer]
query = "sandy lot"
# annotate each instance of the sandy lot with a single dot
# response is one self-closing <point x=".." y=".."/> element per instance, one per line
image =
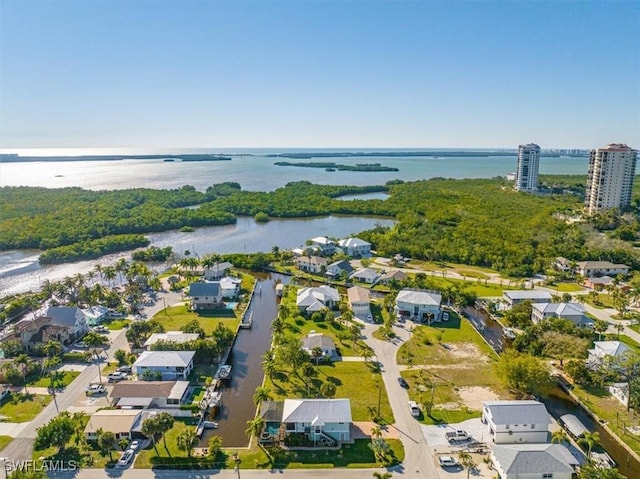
<point x="474" y="395"/>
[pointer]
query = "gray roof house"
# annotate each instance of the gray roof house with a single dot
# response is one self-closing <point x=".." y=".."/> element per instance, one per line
<point x="355" y="247"/>
<point x="510" y="422"/>
<point x="533" y="461"/>
<point x="600" y="268"/>
<point x="420" y="304"/>
<point x="168" y="365"/>
<point x="318" y="418"/>
<point x="337" y="268"/>
<point x="217" y="271"/>
<point x="319" y="340"/>
<point x="574" y="312"/>
<point x="366" y="275"/>
<point x="519" y="296"/>
<point x="310" y="300"/>
<point x="205" y="295"/>
<point x="149" y="394"/>
<point x="70" y="318"/>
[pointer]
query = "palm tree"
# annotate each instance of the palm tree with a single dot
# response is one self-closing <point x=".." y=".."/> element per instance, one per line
<point x="151" y="428"/>
<point x="23" y="361"/>
<point x="262" y="394"/>
<point x="254" y="427"/>
<point x="467" y="461"/>
<point x="94" y="341"/>
<point x="376" y="432"/>
<point x="49" y="365"/>
<point x="269" y="364"/>
<point x="52" y="348"/>
<point x="187" y="440"/>
<point x="590" y="439"/>
<point x="559" y="436"/>
<point x="105" y="441"/>
<point x="165" y="422"/>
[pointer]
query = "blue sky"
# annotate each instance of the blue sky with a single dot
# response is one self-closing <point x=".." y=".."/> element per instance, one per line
<point x="160" y="74"/>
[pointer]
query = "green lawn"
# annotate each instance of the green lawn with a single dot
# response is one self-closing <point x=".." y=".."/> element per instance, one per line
<point x="175" y="317"/>
<point x="44" y="381"/>
<point x="603" y="300"/>
<point x="115" y="324"/>
<point x="624" y="339"/>
<point x="354" y="380"/>
<point x="22" y="408"/>
<point x="4" y="440"/>
<point x="567" y="287"/>
<point x="147" y="458"/>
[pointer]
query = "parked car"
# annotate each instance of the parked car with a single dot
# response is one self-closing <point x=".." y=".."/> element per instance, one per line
<point x="369" y="317"/>
<point x="403" y="382"/>
<point x="101" y="329"/>
<point x="445" y="316"/>
<point x="124" y="369"/>
<point x="94" y="389"/>
<point x="126" y="457"/>
<point x="134" y="445"/>
<point x="117" y="376"/>
<point x="459" y="435"/>
<point x="448" y="461"/>
<point x="414" y="408"/>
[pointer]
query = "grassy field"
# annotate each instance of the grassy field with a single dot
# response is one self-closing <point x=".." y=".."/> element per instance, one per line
<point x="175" y="317"/>
<point x="22" y="408"/>
<point x="604" y="300"/>
<point x="4" y="440"/>
<point x="354" y="380"/>
<point x="355" y="455"/>
<point x="445" y="358"/>
<point x="116" y="324"/>
<point x="44" y="381"/>
<point x="567" y="287"/>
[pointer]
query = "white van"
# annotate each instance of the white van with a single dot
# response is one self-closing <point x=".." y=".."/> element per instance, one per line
<point x="414" y="408"/>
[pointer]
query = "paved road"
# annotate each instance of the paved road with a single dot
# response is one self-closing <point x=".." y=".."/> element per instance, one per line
<point x="22" y="446"/>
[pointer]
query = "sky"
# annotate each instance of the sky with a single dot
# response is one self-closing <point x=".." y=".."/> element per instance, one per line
<point x="412" y="74"/>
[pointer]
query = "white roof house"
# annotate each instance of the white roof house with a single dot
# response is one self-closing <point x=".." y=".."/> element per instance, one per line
<point x="316" y="299"/>
<point x="355" y="247"/>
<point x="366" y="275"/>
<point x="603" y="349"/>
<point x="173" y="336"/>
<point x="529" y="461"/>
<point x="319" y="340"/>
<point x="572" y="311"/>
<point x="169" y="365"/>
<point x="594" y="268"/>
<point x="511" y="422"/>
<point x="519" y="296"/>
<point x="317" y="411"/>
<point x="419" y="304"/>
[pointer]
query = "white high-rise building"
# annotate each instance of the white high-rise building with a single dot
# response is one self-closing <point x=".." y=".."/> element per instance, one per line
<point x="610" y="178"/>
<point x="528" y="164"/>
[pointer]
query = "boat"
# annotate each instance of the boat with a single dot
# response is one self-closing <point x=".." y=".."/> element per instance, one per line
<point x="573" y="426"/>
<point x="602" y="460"/>
<point x="248" y="323"/>
<point x="209" y="424"/>
<point x="224" y="372"/>
<point x="509" y="333"/>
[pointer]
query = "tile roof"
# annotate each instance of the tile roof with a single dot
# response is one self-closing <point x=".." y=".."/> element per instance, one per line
<point x="143" y="389"/>
<point x="358" y="294"/>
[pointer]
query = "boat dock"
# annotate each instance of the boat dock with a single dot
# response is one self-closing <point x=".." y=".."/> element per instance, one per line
<point x="247" y="322"/>
<point x="223" y="373"/>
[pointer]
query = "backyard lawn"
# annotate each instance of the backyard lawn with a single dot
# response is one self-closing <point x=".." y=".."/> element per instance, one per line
<point x="22" y="408"/>
<point x="66" y="378"/>
<point x="115" y="324"/>
<point x="354" y="380"/>
<point x="174" y="318"/>
<point x="567" y="287"/>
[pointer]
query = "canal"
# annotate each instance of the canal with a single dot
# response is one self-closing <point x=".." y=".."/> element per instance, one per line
<point x="558" y="402"/>
<point x="246" y="358"/>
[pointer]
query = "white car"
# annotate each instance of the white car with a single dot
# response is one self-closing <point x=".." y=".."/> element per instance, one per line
<point x="125" y="459"/>
<point x="448" y="461"/>
<point x="94" y="389"/>
<point x="117" y="376"/>
<point x="414" y="408"/>
<point x="134" y="445"/>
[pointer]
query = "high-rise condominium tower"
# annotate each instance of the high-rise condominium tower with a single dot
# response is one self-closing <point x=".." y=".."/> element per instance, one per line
<point x="528" y="163"/>
<point x="610" y="178"/>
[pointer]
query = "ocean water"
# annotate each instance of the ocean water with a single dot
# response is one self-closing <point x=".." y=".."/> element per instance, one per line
<point x="257" y="172"/>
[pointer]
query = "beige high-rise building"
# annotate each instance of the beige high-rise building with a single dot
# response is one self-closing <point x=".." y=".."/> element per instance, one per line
<point x="610" y="178"/>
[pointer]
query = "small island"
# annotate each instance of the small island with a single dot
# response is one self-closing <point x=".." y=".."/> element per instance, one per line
<point x="331" y="166"/>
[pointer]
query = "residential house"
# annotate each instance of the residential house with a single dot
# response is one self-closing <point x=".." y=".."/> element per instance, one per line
<point x="318" y="340"/>
<point x="172" y="336"/>
<point x="323" y="245"/>
<point x="533" y="461"/>
<point x="520" y="296"/>
<point x="120" y="422"/>
<point x="420" y="304"/>
<point x="511" y="422"/>
<point x="149" y="394"/>
<point x="317" y="418"/>
<point x="599" y="283"/>
<point x="365" y="275"/>
<point x="394" y="275"/>
<point x="95" y="315"/>
<point x="217" y="271"/>
<point x="574" y="312"/>
<point x="310" y="300"/>
<point x="71" y="319"/>
<point x="24" y="330"/>
<point x="355" y="247"/>
<point x="230" y="287"/>
<point x="205" y="296"/>
<point x="562" y="264"/>
<point x="605" y="349"/>
<point x="359" y="301"/>
<point x="312" y="264"/>
<point x="620" y="391"/>
<point x="600" y="268"/>
<point x="168" y="365"/>
<point x="339" y="268"/>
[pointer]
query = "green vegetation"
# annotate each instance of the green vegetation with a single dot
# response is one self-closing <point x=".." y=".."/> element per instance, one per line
<point x="92" y="249"/>
<point x="62" y="380"/>
<point x="152" y="253"/>
<point x="174" y="318"/>
<point x="4" y="440"/>
<point x="21" y="407"/>
<point x="116" y="324"/>
<point x="338" y="166"/>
